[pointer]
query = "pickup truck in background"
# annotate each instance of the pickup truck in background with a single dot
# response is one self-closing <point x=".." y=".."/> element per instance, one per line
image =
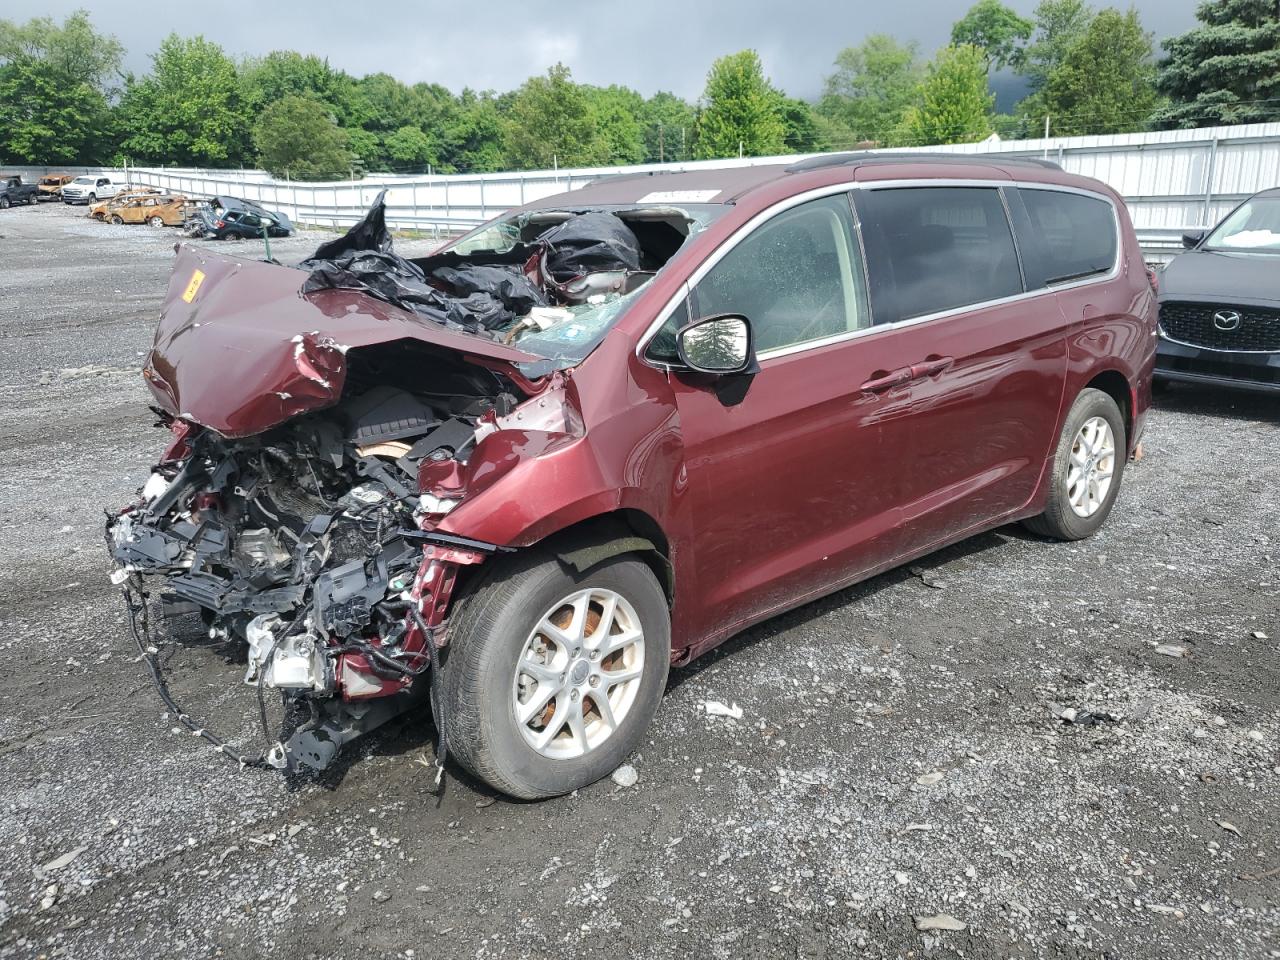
<point x="13" y="190"/>
<point x="90" y="188"/>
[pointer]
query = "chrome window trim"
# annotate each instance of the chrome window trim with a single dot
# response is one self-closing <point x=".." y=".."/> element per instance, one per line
<point x="818" y="193"/>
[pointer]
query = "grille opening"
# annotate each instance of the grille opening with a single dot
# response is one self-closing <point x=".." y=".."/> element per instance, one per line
<point x="1193" y="324"/>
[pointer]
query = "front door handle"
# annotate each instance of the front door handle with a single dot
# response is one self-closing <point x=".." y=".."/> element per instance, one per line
<point x="886" y="380"/>
<point x="931" y="367"/>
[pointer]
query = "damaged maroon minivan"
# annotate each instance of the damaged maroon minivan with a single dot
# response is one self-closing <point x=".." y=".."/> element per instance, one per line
<point x="604" y="432"/>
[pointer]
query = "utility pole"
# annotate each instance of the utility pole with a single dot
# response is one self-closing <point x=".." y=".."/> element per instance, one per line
<point x="662" y="153"/>
<point x="1046" y="136"/>
<point x="739" y="149"/>
<point x="684" y="153"/>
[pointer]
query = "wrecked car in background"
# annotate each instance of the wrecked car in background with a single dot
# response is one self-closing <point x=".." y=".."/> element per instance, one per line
<point x="607" y="431"/>
<point x="51" y="186"/>
<point x="230" y="218"/>
<point x="159" y="210"/>
<point x="102" y="209"/>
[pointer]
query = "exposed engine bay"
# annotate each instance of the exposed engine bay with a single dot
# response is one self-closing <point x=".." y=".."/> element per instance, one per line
<point x="306" y="543"/>
<point x="299" y="522"/>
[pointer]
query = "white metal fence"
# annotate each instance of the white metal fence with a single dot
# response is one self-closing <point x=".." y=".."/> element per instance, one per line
<point x="1172" y="180"/>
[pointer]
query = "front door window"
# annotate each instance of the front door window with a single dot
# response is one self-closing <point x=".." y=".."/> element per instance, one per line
<point x="796" y="278"/>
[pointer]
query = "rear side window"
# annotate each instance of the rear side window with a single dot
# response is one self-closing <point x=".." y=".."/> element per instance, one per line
<point x="1077" y="234"/>
<point x="931" y="249"/>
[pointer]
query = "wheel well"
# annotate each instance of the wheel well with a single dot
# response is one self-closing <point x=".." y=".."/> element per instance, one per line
<point x="584" y="544"/>
<point x="1115" y="385"/>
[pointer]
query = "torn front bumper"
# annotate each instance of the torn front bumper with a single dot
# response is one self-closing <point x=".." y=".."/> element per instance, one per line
<point x="340" y="613"/>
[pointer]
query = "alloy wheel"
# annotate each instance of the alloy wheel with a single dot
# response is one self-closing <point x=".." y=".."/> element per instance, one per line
<point x="578" y="674"/>
<point x="1092" y="465"/>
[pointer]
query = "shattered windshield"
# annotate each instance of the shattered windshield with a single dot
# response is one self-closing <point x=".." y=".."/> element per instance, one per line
<point x="593" y="300"/>
<point x="550" y="282"/>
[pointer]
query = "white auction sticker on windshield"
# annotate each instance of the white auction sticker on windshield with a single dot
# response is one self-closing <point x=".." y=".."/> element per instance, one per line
<point x="678" y="196"/>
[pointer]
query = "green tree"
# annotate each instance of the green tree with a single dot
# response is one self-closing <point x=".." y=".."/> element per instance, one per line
<point x="550" y="121"/>
<point x="743" y="112"/>
<point x="1106" y="81"/>
<point x="617" y="111"/>
<point x="871" y="88"/>
<point x="995" y="30"/>
<point x="190" y="110"/>
<point x="801" y="131"/>
<point x="55" y="87"/>
<point x="410" y="147"/>
<point x="668" y="123"/>
<point x="1226" y="71"/>
<point x="954" y="105"/>
<point x="285" y="73"/>
<point x="296" y="137"/>
<point x="1059" y="24"/>
<point x="474" y="135"/>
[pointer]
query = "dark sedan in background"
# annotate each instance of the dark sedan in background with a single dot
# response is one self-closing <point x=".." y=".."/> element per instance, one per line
<point x="1220" y="302"/>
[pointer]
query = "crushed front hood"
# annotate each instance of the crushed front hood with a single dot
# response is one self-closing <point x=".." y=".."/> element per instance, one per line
<point x="239" y="349"/>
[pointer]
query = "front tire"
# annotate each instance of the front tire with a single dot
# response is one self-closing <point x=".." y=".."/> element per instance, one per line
<point x="551" y="677"/>
<point x="1087" y="467"/>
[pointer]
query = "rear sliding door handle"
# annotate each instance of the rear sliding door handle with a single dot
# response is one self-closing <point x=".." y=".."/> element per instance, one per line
<point x="931" y="367"/>
<point x="883" y="381"/>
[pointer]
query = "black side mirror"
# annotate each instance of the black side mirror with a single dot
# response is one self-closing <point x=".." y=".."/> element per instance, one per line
<point x="718" y="345"/>
<point x="1192" y="240"/>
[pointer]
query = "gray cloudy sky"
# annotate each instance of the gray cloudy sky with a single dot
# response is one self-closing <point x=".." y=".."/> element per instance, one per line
<point x="650" y="45"/>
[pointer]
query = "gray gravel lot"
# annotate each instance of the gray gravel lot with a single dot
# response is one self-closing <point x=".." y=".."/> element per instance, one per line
<point x="897" y="756"/>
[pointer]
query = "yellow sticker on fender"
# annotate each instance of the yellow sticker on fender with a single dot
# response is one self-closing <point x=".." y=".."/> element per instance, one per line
<point x="193" y="287"/>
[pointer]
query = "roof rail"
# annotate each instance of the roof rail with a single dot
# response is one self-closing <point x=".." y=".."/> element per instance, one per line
<point x="867" y="158"/>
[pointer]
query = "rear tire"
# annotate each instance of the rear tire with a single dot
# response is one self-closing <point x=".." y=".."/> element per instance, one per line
<point x="497" y="640"/>
<point x="118" y="220"/>
<point x="1072" y="511"/>
<point x="156" y="221"/>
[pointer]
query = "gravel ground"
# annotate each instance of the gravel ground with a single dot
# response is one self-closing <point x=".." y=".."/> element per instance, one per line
<point x="898" y="756"/>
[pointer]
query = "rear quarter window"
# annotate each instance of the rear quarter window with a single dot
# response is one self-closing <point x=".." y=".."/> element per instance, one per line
<point x="1076" y="234"/>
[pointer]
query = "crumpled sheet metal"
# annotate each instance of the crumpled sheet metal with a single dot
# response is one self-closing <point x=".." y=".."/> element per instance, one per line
<point x="248" y="352"/>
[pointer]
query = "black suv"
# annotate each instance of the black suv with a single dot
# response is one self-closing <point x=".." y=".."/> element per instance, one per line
<point x="1220" y="302"/>
<point x="230" y="218"/>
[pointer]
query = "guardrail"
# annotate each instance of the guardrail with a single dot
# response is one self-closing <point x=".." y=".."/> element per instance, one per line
<point x="1162" y="244"/>
<point x="1168" y="178"/>
<point x="438" y="226"/>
